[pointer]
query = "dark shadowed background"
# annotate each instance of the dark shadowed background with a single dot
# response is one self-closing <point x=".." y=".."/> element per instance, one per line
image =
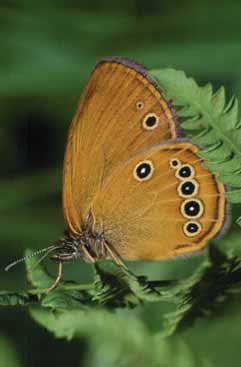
<point x="47" y="50"/>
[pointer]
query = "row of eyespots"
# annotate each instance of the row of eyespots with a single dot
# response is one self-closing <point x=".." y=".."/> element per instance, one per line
<point x="191" y="208"/>
<point x="151" y="120"/>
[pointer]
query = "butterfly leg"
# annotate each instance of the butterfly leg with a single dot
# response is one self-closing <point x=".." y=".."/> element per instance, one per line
<point x="114" y="255"/>
<point x="60" y="274"/>
<point x="88" y="256"/>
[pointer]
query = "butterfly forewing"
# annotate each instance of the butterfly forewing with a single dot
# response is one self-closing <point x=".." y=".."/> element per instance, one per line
<point x="120" y="112"/>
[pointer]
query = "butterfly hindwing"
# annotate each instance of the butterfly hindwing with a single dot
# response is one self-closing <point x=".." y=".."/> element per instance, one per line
<point x="161" y="203"/>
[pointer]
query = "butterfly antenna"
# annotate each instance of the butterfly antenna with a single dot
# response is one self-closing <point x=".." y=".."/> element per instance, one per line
<point x="48" y="249"/>
<point x="39" y="260"/>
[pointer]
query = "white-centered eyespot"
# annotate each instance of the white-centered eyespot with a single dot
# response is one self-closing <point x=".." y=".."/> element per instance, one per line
<point x="140" y="105"/>
<point x="175" y="163"/>
<point x="143" y="171"/>
<point x="187" y="189"/>
<point x="150" y="121"/>
<point x="192" y="208"/>
<point x="192" y="228"/>
<point x="185" y="171"/>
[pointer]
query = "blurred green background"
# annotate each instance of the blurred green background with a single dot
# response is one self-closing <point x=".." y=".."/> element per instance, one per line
<point x="47" y="50"/>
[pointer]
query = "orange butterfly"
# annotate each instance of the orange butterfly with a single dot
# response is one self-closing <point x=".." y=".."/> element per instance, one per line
<point x="132" y="188"/>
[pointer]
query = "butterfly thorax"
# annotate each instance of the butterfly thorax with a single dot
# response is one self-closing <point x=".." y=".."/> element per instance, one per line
<point x="86" y="245"/>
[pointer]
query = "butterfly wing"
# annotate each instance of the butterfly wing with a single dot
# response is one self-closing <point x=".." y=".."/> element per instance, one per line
<point x="159" y="204"/>
<point x="120" y="112"/>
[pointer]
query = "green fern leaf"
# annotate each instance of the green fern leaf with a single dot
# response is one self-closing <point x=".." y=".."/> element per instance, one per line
<point x="238" y="221"/>
<point x="214" y="124"/>
<point x="38" y="277"/>
<point x="16" y="298"/>
<point x="231" y="179"/>
<point x="210" y="286"/>
<point x="64" y="299"/>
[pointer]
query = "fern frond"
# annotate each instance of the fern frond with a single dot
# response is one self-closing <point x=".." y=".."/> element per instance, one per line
<point x="212" y="122"/>
<point x="215" y="281"/>
<point x="17" y="298"/>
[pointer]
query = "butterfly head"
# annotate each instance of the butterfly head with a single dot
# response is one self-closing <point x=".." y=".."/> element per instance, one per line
<point x="85" y="245"/>
<point x="65" y="253"/>
<point x="67" y="248"/>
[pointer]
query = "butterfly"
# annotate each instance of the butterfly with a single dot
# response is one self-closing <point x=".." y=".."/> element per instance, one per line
<point x="133" y="188"/>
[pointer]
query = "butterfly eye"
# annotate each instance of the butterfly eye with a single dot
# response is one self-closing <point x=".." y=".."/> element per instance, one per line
<point x="175" y="163"/>
<point x="188" y="188"/>
<point x="192" y="228"/>
<point x="192" y="208"/>
<point x="150" y="121"/>
<point x="143" y="171"/>
<point x="140" y="105"/>
<point x="185" y="171"/>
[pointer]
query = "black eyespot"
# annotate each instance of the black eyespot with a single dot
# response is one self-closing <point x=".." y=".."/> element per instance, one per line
<point x="192" y="208"/>
<point x="187" y="188"/>
<point x="143" y="171"/>
<point x="185" y="171"/>
<point x="175" y="163"/>
<point x="192" y="228"/>
<point x="150" y="121"/>
<point x="139" y="105"/>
